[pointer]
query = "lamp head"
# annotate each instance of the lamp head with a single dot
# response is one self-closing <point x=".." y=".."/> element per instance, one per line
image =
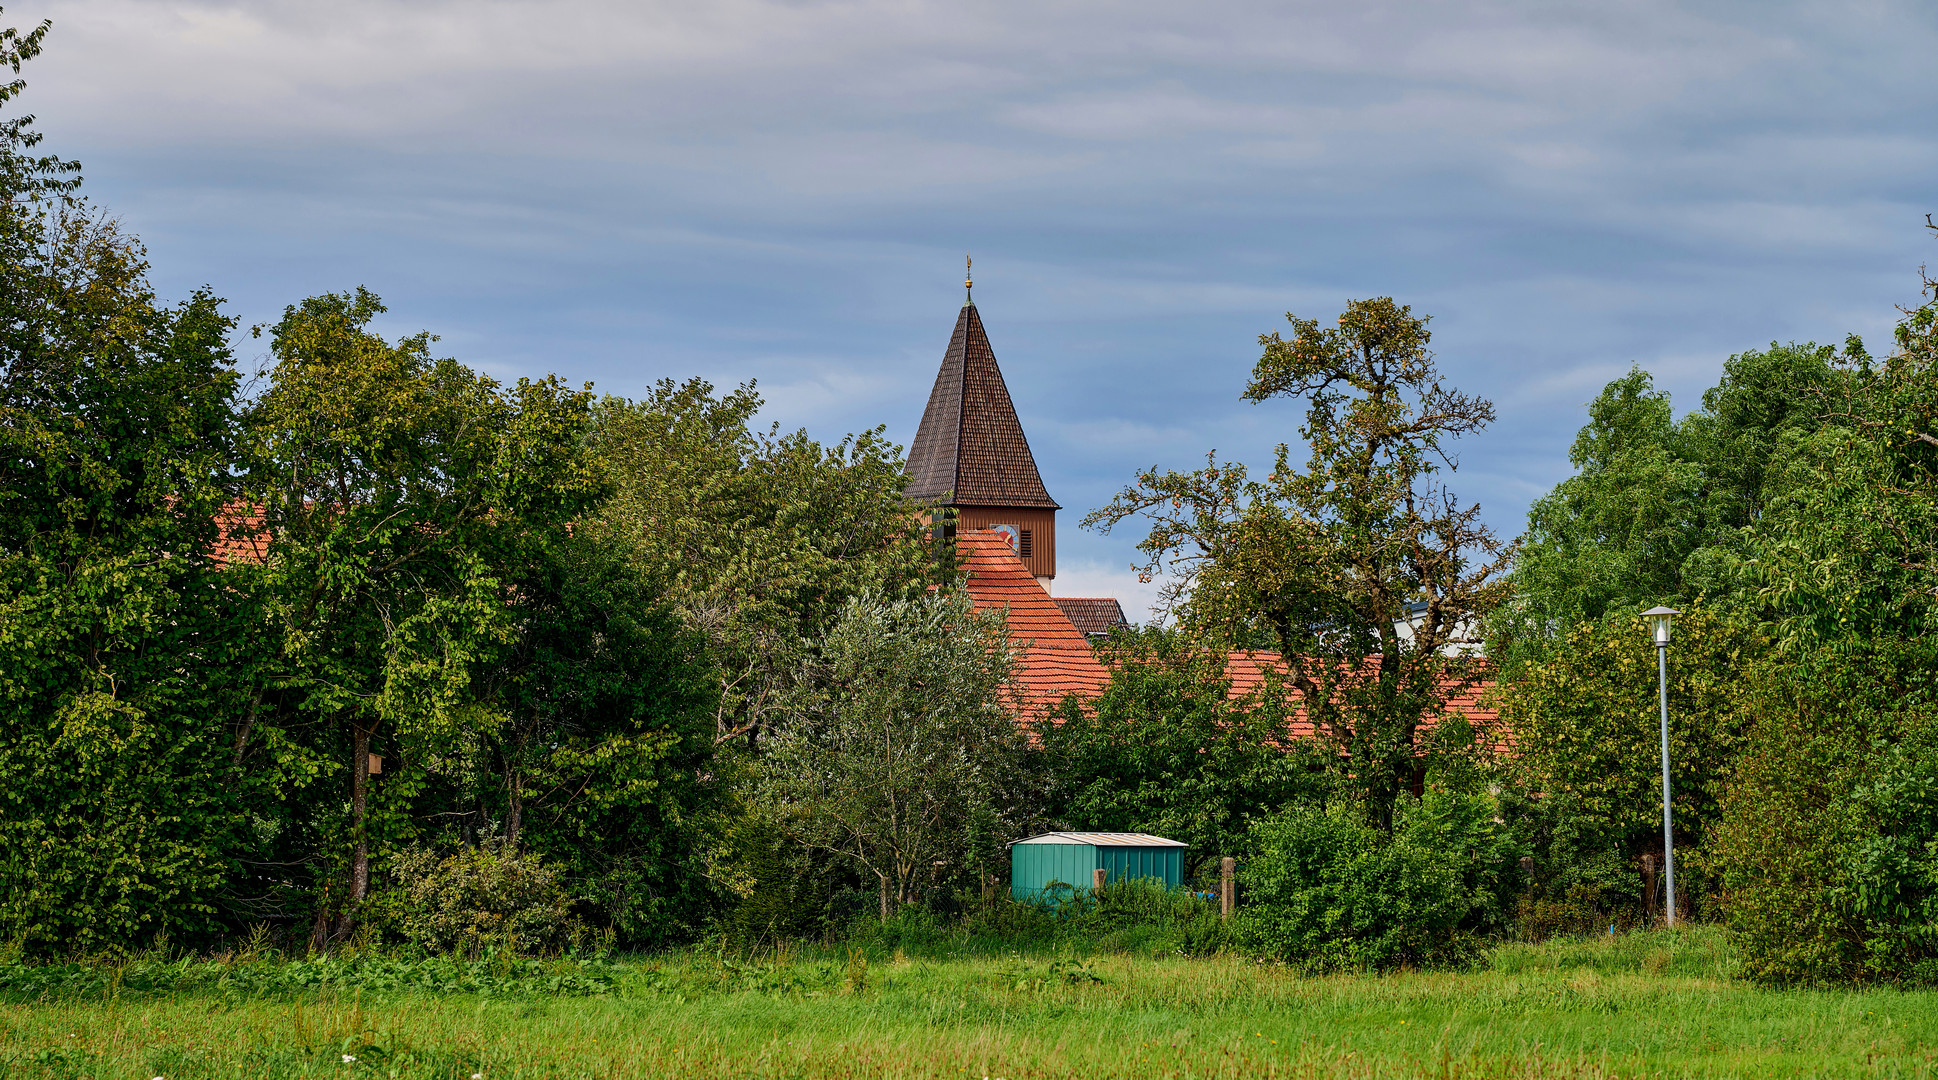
<point x="1659" y="620"/>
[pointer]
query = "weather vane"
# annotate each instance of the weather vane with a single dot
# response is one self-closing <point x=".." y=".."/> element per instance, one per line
<point x="968" y="275"/>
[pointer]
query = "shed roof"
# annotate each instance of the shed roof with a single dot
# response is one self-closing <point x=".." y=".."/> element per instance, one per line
<point x="1101" y="839"/>
<point x="970" y="441"/>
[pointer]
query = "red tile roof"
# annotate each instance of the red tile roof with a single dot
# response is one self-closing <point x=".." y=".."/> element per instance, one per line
<point x="240" y="536"/>
<point x="1056" y="658"/>
<point x="1093" y="615"/>
<point x="1247" y="670"/>
<point x="969" y="441"/>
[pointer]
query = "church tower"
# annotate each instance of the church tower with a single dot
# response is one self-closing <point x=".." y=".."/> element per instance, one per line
<point x="971" y="453"/>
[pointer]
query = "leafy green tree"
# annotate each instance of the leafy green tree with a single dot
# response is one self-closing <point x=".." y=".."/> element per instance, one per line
<point x="903" y="757"/>
<point x="399" y="494"/>
<point x="592" y="740"/>
<point x="1826" y="846"/>
<point x="1660" y="511"/>
<point x="762" y="538"/>
<point x="1167" y="750"/>
<point x="118" y="794"/>
<point x="1325" y="565"/>
<point x="1587" y="741"/>
<point x="1824" y="851"/>
<point x="1844" y="555"/>
<point x="1619" y="529"/>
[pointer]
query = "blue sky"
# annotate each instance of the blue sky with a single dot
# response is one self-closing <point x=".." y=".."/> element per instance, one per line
<point x="621" y="192"/>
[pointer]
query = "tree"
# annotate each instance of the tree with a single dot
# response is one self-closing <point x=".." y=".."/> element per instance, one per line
<point x="1823" y="851"/>
<point x="1615" y="532"/>
<point x="1587" y="742"/>
<point x="118" y="798"/>
<point x="399" y="494"/>
<point x="1825" y="847"/>
<point x="903" y="756"/>
<point x="1327" y="565"/>
<point x="761" y="538"/>
<point x="1327" y="890"/>
<point x="1845" y="553"/>
<point x="1166" y="749"/>
<point x="1660" y="511"/>
<point x="592" y="740"/>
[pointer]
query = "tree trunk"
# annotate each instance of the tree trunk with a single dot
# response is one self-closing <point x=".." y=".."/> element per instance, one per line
<point x="359" y="814"/>
<point x="515" y="816"/>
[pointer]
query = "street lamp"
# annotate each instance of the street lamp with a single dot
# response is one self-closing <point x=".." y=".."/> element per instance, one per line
<point x="1659" y="620"/>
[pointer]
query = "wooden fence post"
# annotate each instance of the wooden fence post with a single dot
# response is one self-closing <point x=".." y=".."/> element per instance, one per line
<point x="1097" y="879"/>
<point x="1648" y="886"/>
<point x="1227" y="886"/>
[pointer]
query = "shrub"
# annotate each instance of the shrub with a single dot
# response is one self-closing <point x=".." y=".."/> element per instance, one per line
<point x="492" y="895"/>
<point x="1829" y="837"/>
<point x="1327" y="890"/>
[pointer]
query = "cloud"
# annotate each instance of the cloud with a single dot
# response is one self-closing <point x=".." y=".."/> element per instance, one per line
<point x="1092" y="577"/>
<point x="784" y="189"/>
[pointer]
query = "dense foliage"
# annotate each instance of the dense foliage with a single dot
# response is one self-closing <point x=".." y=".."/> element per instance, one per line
<point x="386" y="652"/>
<point x="1166" y="749"/>
<point x="1829" y="839"/>
<point x="118" y="794"/>
<point x="1662" y="511"/>
<point x="1794" y="517"/>
<point x="903" y="757"/>
<point x="363" y="651"/>
<point x="1327" y="890"/>
<point x="1587" y="730"/>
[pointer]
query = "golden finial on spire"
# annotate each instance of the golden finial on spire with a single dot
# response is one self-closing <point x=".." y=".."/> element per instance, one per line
<point x="968" y="278"/>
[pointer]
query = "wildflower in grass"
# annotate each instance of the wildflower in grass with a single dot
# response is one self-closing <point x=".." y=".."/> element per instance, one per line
<point x="349" y="1060"/>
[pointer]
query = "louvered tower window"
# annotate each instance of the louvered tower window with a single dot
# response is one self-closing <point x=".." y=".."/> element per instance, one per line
<point x="1023" y="543"/>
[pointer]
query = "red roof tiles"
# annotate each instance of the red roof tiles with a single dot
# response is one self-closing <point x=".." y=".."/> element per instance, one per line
<point x="240" y="536"/>
<point x="1055" y="658"/>
<point x="1247" y="670"/>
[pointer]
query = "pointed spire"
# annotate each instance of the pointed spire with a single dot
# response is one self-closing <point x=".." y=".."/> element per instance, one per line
<point x="970" y="441"/>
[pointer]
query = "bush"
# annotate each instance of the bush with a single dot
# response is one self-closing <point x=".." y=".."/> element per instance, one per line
<point x="1828" y="847"/>
<point x="1327" y="890"/>
<point x="492" y="895"/>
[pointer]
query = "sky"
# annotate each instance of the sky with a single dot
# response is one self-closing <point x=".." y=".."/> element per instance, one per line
<point x="784" y="191"/>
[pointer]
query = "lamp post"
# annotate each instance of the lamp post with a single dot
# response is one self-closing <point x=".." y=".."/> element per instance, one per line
<point x="1659" y="620"/>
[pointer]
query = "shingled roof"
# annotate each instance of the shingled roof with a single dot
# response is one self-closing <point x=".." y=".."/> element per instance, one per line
<point x="1056" y="659"/>
<point x="1094" y="615"/>
<point x="970" y="441"/>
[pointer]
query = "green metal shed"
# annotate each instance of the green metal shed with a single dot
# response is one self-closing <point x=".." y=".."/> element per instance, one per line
<point x="1073" y="858"/>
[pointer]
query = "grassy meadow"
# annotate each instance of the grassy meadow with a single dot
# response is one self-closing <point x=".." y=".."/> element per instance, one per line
<point x="1651" y="1004"/>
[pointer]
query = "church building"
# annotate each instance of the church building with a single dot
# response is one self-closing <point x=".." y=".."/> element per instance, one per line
<point x="970" y="455"/>
<point x="970" y="452"/>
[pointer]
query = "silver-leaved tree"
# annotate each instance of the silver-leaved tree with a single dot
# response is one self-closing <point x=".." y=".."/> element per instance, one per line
<point x="902" y="755"/>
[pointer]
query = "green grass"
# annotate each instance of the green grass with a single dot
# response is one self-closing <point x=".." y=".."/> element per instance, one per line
<point x="1656" y="1004"/>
